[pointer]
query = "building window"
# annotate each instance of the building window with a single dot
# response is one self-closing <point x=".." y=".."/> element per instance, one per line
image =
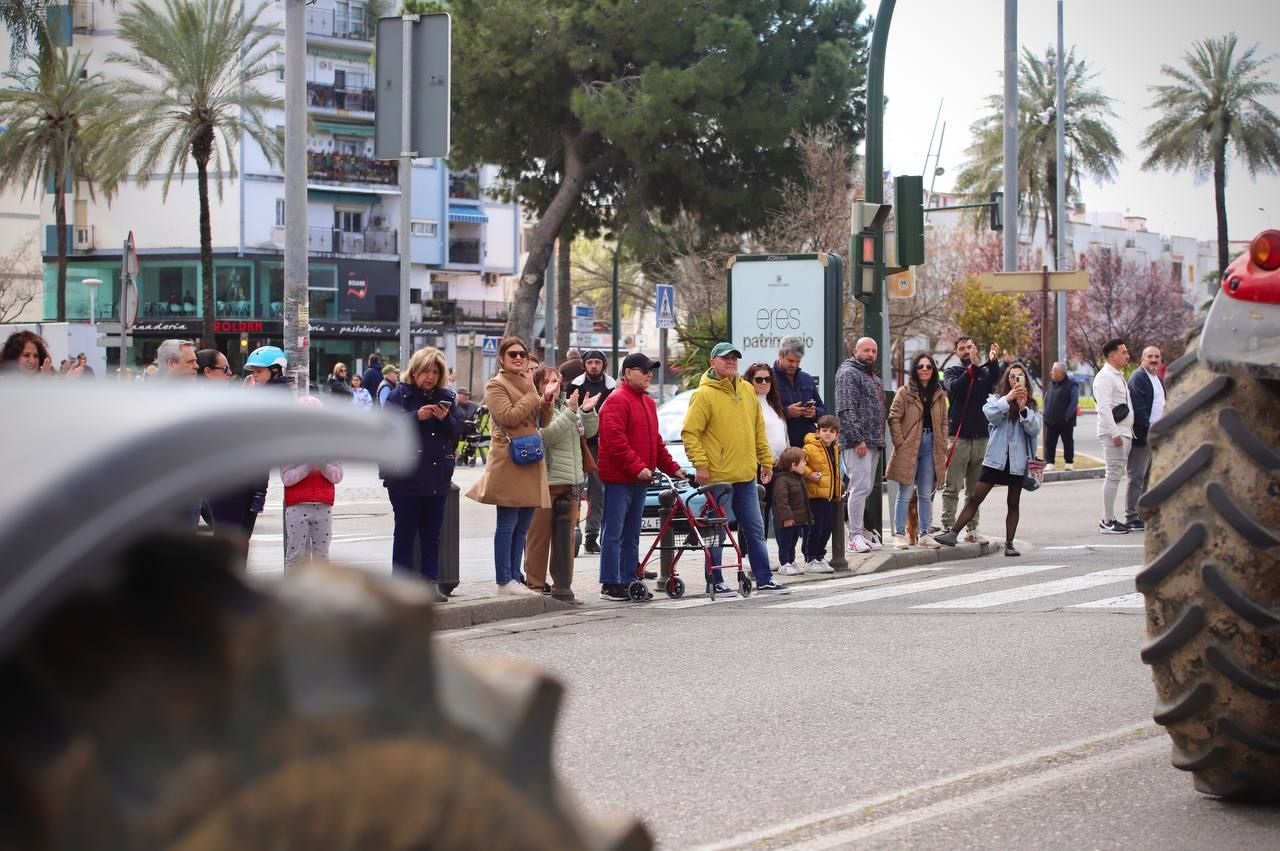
<point x="348" y="145"/>
<point x="348" y="221"/>
<point x="233" y="289"/>
<point x="424" y="228"/>
<point x="279" y="212"/>
<point x="280" y="67"/>
<point x="169" y="288"/>
<point x="322" y="291"/>
<point x="1177" y="270"/>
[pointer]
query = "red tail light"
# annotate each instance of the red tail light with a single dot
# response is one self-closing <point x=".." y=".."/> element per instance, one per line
<point x="1264" y="251"/>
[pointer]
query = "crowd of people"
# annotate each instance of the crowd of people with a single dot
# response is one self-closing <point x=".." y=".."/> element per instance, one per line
<point x="574" y="430"/>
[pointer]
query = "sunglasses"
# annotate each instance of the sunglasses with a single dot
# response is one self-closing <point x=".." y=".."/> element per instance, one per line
<point x="762" y="379"/>
<point x="924" y="366"/>
<point x="518" y="355"/>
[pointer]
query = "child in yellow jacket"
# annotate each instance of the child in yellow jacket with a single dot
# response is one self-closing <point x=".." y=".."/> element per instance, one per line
<point x="822" y="456"/>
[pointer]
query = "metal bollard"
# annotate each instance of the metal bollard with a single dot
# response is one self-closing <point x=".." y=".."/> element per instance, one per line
<point x="666" y="545"/>
<point x="838" y="543"/>
<point x="561" y="549"/>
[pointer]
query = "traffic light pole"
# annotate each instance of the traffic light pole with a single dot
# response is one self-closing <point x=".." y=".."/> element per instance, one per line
<point x="874" y="311"/>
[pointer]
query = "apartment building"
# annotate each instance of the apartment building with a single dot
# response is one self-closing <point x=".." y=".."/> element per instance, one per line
<point x="462" y="244"/>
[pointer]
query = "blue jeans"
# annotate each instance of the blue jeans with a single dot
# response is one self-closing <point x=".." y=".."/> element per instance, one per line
<point x="419" y="520"/>
<point x="922" y="490"/>
<point x="508" y="542"/>
<point x="620" y="532"/>
<point x="744" y="504"/>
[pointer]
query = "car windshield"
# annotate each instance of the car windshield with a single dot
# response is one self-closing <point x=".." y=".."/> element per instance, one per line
<point x="671" y="416"/>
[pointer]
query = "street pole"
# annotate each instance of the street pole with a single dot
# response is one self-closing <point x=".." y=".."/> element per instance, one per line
<point x="617" y="313"/>
<point x="874" y="314"/>
<point x="406" y="179"/>
<point x="297" y="310"/>
<point x="662" y="365"/>
<point x="1011" y="226"/>
<point x="549" y="308"/>
<point x="1059" y="249"/>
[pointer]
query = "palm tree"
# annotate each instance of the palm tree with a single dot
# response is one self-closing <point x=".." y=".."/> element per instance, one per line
<point x="1215" y="103"/>
<point x="195" y="97"/>
<point x="59" y="121"/>
<point x="1091" y="148"/>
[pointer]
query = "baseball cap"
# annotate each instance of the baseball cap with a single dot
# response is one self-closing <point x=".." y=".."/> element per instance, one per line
<point x="724" y="350"/>
<point x="639" y="361"/>
<point x="593" y="354"/>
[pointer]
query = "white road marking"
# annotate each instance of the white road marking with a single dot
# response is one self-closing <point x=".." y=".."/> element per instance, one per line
<point x="1040" y="589"/>
<point x="1097" y="547"/>
<point x="1125" y="601"/>
<point x="917" y="587"/>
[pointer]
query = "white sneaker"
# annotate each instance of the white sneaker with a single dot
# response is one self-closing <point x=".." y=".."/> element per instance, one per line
<point x="928" y="542"/>
<point x="790" y="570"/>
<point x="859" y="544"/>
<point x="1048" y="468"/>
<point x="515" y="589"/>
<point x="872" y="539"/>
<point x="900" y="542"/>
<point x="818" y="566"/>
<point x="1071" y="466"/>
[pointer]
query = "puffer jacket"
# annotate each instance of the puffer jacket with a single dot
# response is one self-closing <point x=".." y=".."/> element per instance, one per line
<point x="629" y="440"/>
<point x="724" y="430"/>
<point x="791" y="499"/>
<point x="562" y="442"/>
<point x="859" y="404"/>
<point x="824" y="460"/>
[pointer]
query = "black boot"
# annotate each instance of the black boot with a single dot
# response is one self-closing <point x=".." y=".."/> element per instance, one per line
<point x="592" y="543"/>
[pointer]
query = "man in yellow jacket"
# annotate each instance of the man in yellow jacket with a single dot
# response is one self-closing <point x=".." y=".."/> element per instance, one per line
<point x="724" y="437"/>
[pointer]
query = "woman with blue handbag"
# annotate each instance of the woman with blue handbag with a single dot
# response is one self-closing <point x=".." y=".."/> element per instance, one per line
<point x="515" y="477"/>
<point x="1012" y="426"/>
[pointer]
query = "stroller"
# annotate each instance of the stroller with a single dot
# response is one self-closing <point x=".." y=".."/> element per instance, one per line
<point x="708" y="528"/>
<point x="474" y="443"/>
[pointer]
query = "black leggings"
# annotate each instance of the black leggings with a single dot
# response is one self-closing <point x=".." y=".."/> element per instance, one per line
<point x="979" y="494"/>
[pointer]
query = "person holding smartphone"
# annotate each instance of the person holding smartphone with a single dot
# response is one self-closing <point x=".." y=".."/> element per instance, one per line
<point x="1012" y="425"/>
<point x="418" y="499"/>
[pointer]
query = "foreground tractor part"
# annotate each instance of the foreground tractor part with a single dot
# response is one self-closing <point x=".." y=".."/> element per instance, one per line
<point x="157" y="699"/>
<point x="1212" y="575"/>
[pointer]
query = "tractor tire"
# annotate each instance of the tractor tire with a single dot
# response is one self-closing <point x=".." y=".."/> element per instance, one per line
<point x="1211" y="579"/>
<point x="180" y="707"/>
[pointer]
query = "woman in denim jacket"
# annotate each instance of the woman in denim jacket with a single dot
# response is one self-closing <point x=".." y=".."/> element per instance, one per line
<point x="1012" y="426"/>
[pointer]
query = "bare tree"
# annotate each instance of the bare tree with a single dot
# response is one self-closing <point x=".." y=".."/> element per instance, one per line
<point x="19" y="281"/>
<point x="1142" y="304"/>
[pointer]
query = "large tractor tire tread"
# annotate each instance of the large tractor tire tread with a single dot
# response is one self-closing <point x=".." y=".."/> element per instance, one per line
<point x="180" y="707"/>
<point x="1212" y="579"/>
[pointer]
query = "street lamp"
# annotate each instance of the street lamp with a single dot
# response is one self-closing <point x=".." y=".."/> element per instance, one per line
<point x="93" y="284"/>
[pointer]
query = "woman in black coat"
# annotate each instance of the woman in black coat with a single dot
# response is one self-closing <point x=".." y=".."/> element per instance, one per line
<point x="418" y="500"/>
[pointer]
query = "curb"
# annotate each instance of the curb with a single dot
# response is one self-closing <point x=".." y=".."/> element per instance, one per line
<point x="460" y="614"/>
<point x="1075" y="475"/>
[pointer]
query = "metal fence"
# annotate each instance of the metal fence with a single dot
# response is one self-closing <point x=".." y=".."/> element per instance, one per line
<point x="335" y="241"/>
<point x="336" y="24"/>
<point x="464" y="251"/>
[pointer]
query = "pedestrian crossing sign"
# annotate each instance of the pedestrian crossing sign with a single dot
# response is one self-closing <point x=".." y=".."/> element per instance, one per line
<point x="666" y="306"/>
<point x="490" y="347"/>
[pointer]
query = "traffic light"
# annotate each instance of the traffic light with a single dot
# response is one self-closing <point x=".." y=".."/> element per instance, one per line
<point x="244" y="342"/>
<point x="908" y="205"/>
<point x="997" y="211"/>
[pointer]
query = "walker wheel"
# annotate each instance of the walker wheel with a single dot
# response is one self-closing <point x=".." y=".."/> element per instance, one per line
<point x="637" y="592"/>
<point x="744" y="586"/>
<point x="711" y="591"/>
<point x="675" y="588"/>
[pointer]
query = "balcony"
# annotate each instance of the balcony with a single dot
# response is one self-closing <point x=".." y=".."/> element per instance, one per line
<point x="349" y="168"/>
<point x="464" y="251"/>
<point x="345" y="98"/>
<point x="333" y="23"/>
<point x="491" y="311"/>
<point x="465" y="185"/>
<point x="340" y="242"/>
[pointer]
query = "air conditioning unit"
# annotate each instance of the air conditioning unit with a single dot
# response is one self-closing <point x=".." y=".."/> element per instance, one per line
<point x="324" y="66"/>
<point x="379" y="222"/>
<point x="490" y="279"/>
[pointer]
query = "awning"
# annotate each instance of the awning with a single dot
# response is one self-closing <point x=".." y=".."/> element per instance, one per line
<point x="345" y="129"/>
<point x="330" y="197"/>
<point x="459" y="213"/>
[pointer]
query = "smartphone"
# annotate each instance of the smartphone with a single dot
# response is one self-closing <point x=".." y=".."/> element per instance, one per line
<point x="444" y="404"/>
<point x="1019" y="379"/>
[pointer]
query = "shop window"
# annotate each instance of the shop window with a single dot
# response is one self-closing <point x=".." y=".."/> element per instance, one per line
<point x="169" y="288"/>
<point x="270" y="300"/>
<point x="104" y="300"/>
<point x="322" y="291"/>
<point x="233" y="290"/>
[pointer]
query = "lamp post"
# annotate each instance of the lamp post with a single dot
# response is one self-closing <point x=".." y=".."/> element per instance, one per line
<point x="93" y="284"/>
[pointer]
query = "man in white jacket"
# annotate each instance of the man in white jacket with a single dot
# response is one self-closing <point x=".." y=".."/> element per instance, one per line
<point x="1115" y="428"/>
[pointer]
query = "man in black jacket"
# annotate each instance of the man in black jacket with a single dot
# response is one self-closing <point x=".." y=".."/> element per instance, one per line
<point x="968" y="384"/>
<point x="1147" y="392"/>
<point x="590" y="383"/>
<point x="1061" y="400"/>
<point x="373" y="373"/>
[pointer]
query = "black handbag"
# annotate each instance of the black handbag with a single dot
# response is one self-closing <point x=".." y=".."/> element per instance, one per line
<point x="1119" y="412"/>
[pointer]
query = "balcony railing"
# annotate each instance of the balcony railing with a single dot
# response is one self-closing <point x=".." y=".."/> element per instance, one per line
<point x="335" y="241"/>
<point x="347" y="99"/>
<point x="481" y="310"/>
<point x="465" y="185"/>
<point x="335" y="24"/>
<point x="464" y="251"/>
<point x="349" y="168"/>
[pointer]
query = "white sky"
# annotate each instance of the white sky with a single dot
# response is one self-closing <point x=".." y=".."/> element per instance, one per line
<point x="953" y="50"/>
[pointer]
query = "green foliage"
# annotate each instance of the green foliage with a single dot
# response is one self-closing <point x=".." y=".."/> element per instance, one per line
<point x="1211" y="110"/>
<point x="697" y="336"/>
<point x="991" y="317"/>
<point x="1090" y="147"/>
<point x="59" y="120"/>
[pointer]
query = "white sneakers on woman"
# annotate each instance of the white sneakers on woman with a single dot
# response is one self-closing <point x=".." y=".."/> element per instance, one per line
<point x="515" y="589"/>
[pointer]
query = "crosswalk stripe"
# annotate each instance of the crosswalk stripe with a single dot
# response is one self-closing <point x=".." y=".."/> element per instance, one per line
<point x="917" y="587"/>
<point x="1124" y="601"/>
<point x="1040" y="589"/>
<point x="846" y="582"/>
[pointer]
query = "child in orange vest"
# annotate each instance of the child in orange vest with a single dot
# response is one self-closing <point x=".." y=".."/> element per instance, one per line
<point x="308" y="507"/>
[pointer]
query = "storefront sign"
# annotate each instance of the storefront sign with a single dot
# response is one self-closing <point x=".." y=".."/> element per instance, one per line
<point x="222" y="326"/>
<point x="167" y="326"/>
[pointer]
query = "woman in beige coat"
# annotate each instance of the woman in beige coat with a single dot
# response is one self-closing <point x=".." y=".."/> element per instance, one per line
<point x="517" y="410"/>
<point x="919" y="460"/>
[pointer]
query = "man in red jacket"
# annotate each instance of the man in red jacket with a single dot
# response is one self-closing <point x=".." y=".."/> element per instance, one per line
<point x="630" y="452"/>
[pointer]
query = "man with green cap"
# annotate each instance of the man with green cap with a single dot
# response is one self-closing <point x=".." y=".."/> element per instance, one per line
<point x="724" y="437"/>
